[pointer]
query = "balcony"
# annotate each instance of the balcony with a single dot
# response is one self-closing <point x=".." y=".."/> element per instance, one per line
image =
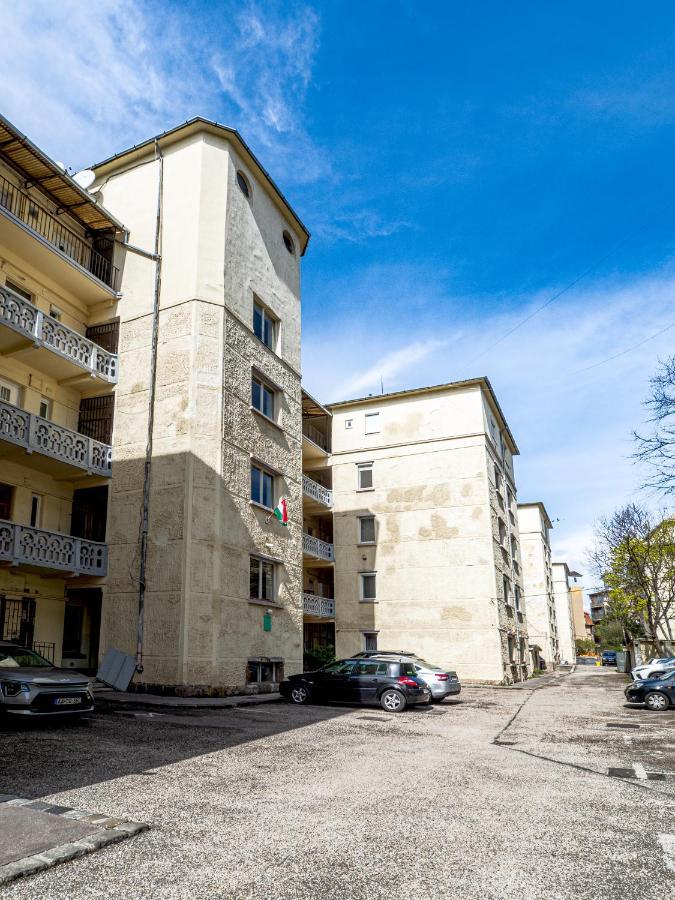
<point x="82" y="265"/>
<point x="317" y="492"/>
<point x="322" y="607"/>
<point x="315" y="442"/>
<point x="312" y="546"/>
<point x="72" y="357"/>
<point x="63" y="450"/>
<point x="35" y="548"/>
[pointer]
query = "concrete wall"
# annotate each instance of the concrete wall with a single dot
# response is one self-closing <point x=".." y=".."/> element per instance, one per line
<point x="437" y="556"/>
<point x="561" y="591"/>
<point x="219" y="250"/>
<point x="538" y="581"/>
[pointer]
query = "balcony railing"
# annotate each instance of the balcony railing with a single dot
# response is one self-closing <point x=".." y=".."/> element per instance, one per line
<point x="25" y="208"/>
<point x="27" y="320"/>
<point x="34" y="433"/>
<point x="51" y="550"/>
<point x="317" y="491"/>
<point x="312" y="546"/>
<point x="314" y="605"/>
<point x="315" y="435"/>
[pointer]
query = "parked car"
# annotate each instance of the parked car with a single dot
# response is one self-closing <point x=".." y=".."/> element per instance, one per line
<point x="31" y="686"/>
<point x="608" y="657"/>
<point x="657" y="694"/>
<point x="654" y="667"/>
<point x="391" y="682"/>
<point x="441" y="682"/>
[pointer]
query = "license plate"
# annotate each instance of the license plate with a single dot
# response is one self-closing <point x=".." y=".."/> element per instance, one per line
<point x="68" y="701"/>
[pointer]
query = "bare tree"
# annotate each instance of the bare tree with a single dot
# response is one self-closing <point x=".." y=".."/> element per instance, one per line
<point x="658" y="448"/>
<point x="634" y="555"/>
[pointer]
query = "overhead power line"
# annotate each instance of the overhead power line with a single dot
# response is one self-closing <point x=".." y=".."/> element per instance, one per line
<point x="624" y="352"/>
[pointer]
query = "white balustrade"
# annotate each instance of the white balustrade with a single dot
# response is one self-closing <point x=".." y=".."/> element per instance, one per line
<point x="317" y="491"/>
<point x="34" y="433"/>
<point x="51" y="550"/>
<point x="323" y="607"/>
<point x="45" y="331"/>
<point x="312" y="546"/>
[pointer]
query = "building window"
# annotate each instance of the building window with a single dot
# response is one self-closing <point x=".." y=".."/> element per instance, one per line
<point x="244" y="186"/>
<point x="262" y="487"/>
<point x="73" y="620"/>
<point x="512" y="648"/>
<point x="372" y="423"/>
<point x="366" y="529"/>
<point x="264" y="671"/>
<point x="502" y="530"/>
<point x="9" y="392"/>
<point x="54" y="312"/>
<point x="368" y="589"/>
<point x="516" y="595"/>
<point x="6" y="492"/>
<point x="507" y="590"/>
<point x="365" y="476"/>
<point x="264" y="326"/>
<point x="370" y="641"/>
<point x="45" y="407"/>
<point x="498" y="479"/>
<point x="288" y="243"/>
<point x="35" y="506"/>
<point x="261" y="580"/>
<point x="22" y="292"/>
<point x="262" y="397"/>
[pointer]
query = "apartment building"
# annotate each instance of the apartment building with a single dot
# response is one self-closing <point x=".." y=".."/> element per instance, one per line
<point x="563" y="611"/>
<point x="534" y="526"/>
<point x="427" y="555"/>
<point x="205" y="583"/>
<point x="61" y="255"/>
<point x="599" y="601"/>
<point x="318" y="555"/>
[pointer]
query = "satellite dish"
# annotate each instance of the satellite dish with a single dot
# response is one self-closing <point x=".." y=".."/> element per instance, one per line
<point x="85" y="178"/>
<point x="60" y="165"/>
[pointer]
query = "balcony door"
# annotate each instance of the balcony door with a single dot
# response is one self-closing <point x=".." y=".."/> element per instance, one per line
<point x="6" y="491"/>
<point x="17" y="620"/>
<point x="96" y="418"/>
<point x="90" y="509"/>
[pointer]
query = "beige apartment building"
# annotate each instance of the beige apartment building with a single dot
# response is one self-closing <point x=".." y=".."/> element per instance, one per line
<point x="534" y="526"/>
<point x="208" y="416"/>
<point x="563" y="610"/>
<point x="427" y="555"/>
<point x="61" y="254"/>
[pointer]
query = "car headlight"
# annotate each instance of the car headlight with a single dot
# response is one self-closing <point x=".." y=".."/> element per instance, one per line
<point x="12" y="688"/>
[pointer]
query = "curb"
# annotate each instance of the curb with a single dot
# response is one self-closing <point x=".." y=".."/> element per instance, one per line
<point x="112" y="831"/>
<point x="151" y="701"/>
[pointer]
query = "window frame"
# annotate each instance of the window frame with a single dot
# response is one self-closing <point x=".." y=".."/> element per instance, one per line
<point x="13" y="388"/>
<point x="371" y="416"/>
<point x="365" y="467"/>
<point x="264" y="472"/>
<point x="266" y="315"/>
<point x="20" y="291"/>
<point x="246" y="188"/>
<point x="35" y="510"/>
<point x="360" y="521"/>
<point x="362" y="578"/>
<point x="262" y="562"/>
<point x="47" y="402"/>
<point x="277" y="665"/>
<point x="265" y="385"/>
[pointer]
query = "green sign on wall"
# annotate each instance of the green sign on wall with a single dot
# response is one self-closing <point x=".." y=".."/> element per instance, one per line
<point x="267" y="622"/>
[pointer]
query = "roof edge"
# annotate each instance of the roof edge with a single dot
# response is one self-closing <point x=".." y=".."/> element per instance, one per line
<point x="540" y="505"/>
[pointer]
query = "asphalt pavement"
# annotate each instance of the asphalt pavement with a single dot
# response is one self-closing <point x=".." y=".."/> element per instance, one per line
<point x="532" y="794"/>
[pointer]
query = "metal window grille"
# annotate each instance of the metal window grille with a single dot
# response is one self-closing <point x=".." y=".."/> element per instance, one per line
<point x="96" y="418"/>
<point x="106" y="335"/>
<point x="17" y="620"/>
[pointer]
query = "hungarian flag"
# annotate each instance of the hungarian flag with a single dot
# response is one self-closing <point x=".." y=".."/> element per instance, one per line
<point x="281" y="511"/>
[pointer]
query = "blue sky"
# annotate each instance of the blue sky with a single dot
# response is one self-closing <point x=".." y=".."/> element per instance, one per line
<point x="458" y="165"/>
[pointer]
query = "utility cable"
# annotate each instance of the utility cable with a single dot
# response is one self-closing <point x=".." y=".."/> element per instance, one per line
<point x="624" y="352"/>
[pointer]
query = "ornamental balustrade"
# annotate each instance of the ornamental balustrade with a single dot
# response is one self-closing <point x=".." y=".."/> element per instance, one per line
<point x="317" y="491"/>
<point x="312" y="546"/>
<point x="314" y="605"/>
<point x="21" y="316"/>
<point x="34" y="433"/>
<point x="51" y="550"/>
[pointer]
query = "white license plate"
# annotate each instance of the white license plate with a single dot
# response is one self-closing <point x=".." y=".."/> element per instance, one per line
<point x="68" y="701"/>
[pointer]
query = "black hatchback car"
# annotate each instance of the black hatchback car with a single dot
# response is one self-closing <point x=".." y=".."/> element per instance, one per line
<point x="393" y="683"/>
<point x="657" y="694"/>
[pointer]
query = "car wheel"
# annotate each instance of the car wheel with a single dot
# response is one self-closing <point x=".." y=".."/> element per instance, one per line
<point x="656" y="702"/>
<point x="299" y="694"/>
<point x="393" y="701"/>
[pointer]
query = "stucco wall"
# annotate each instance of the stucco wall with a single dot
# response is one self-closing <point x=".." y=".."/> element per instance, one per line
<point x="563" y="612"/>
<point x="538" y="581"/>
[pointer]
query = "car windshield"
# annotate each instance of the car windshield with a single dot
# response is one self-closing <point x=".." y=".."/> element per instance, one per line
<point x="19" y="657"/>
<point x="665" y="676"/>
<point x="340" y="665"/>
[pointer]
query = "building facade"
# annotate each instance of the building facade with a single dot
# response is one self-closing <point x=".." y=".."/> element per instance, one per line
<point x="61" y="254"/>
<point x="598" y="601"/>
<point x="563" y="610"/>
<point x="207" y="438"/>
<point x="427" y="555"/>
<point x="577" y="606"/>
<point x="534" y="526"/>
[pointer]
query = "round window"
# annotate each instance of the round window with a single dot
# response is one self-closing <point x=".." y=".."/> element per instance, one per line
<point x="243" y="184"/>
<point x="288" y="242"/>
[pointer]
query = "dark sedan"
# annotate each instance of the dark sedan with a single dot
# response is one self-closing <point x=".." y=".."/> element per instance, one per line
<point x="394" y="684"/>
<point x="657" y="694"/>
<point x="30" y="686"/>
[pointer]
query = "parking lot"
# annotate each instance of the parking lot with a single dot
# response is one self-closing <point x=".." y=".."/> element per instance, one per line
<point x="545" y="793"/>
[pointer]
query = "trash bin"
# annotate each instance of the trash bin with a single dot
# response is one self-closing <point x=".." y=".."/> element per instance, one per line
<point x="623" y="661"/>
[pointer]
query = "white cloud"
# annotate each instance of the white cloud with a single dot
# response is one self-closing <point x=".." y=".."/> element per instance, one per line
<point x="389" y="366"/>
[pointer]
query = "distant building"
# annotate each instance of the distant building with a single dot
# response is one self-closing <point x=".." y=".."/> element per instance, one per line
<point x="562" y="594"/>
<point x="577" y="605"/>
<point x="590" y="634"/>
<point x="534" y="525"/>
<point x="599" y="601"/>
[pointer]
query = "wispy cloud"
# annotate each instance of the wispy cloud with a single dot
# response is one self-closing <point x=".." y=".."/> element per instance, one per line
<point x="390" y="366"/>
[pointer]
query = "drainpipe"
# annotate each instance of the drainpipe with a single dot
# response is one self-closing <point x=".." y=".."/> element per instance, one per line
<point x="151" y="415"/>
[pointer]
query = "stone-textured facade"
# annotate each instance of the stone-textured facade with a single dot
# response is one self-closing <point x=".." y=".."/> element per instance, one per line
<point x="221" y="252"/>
<point x="446" y="556"/>
<point x="534" y="526"/>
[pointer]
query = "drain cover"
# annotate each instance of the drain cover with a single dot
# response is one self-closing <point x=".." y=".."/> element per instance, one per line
<point x="621" y="773"/>
<point x="621" y="725"/>
<point x="656" y="776"/>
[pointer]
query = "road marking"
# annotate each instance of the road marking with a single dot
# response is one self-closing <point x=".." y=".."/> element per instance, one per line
<point x="640" y="771"/>
<point x="667" y="842"/>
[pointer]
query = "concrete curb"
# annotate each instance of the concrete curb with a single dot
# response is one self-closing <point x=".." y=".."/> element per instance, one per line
<point x="112" y="831"/>
<point x="120" y="700"/>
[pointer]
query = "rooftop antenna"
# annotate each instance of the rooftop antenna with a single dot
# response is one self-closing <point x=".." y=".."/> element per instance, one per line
<point x="382" y="384"/>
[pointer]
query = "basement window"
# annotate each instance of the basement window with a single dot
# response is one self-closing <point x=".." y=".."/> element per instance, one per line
<point x="264" y="671"/>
